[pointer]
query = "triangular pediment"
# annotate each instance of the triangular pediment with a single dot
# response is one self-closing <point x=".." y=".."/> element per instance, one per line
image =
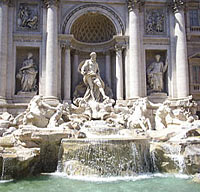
<point x="195" y="56"/>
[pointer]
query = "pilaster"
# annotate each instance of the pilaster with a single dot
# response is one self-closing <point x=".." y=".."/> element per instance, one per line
<point x="3" y="48"/>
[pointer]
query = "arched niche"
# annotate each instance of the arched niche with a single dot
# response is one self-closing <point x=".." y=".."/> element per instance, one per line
<point x="92" y="8"/>
<point x="93" y="27"/>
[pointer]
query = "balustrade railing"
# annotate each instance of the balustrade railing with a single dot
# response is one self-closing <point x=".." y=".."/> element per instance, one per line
<point x="195" y="28"/>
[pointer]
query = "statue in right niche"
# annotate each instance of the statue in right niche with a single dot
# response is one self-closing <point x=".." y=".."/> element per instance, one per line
<point x="155" y="74"/>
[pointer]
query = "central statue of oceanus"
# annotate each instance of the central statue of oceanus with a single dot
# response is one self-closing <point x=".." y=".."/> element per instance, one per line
<point x="91" y="77"/>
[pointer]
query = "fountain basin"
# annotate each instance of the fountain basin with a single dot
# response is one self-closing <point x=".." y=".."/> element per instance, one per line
<point x="104" y="157"/>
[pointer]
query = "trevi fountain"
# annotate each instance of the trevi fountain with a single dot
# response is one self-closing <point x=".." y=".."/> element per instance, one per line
<point x="88" y="130"/>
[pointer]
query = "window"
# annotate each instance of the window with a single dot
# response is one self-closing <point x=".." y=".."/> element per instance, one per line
<point x="195" y="78"/>
<point x="196" y="74"/>
<point x="194" y="17"/>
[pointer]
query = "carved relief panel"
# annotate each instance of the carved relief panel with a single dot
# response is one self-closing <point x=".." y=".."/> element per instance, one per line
<point x="28" y="17"/>
<point x="155" y="21"/>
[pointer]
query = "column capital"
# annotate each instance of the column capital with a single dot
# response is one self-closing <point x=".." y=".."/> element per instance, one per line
<point x="119" y="46"/>
<point x="76" y="52"/>
<point x="177" y="5"/>
<point x="49" y="3"/>
<point x="108" y="52"/>
<point x="65" y="44"/>
<point x="134" y="4"/>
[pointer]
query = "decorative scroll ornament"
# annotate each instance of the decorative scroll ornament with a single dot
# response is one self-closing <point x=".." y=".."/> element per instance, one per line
<point x="177" y="5"/>
<point x="134" y="4"/>
<point x="49" y="3"/>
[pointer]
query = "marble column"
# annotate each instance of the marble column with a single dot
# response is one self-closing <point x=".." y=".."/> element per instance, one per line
<point x="67" y="72"/>
<point x="42" y="71"/>
<point x="119" y="73"/>
<point x="3" y="48"/>
<point x="133" y="84"/>
<point x="51" y="91"/>
<point x="75" y="69"/>
<point x="182" y="79"/>
<point x="108" y="69"/>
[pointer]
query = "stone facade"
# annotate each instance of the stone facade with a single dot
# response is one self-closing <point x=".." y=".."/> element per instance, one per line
<point x="125" y="34"/>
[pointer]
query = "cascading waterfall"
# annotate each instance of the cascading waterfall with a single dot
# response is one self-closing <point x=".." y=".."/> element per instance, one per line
<point x="174" y="152"/>
<point x="154" y="161"/>
<point x="3" y="169"/>
<point x="104" y="157"/>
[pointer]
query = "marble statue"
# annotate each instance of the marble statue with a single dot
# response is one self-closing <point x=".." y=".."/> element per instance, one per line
<point x="56" y="119"/>
<point x="138" y="117"/>
<point x="181" y="113"/>
<point x="37" y="113"/>
<point x="27" y="75"/>
<point x="155" y="73"/>
<point x="91" y="77"/>
<point x="162" y="112"/>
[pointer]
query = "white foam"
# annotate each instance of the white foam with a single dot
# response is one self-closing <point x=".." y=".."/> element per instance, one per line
<point x="6" y="181"/>
<point x="118" y="178"/>
<point x="181" y="176"/>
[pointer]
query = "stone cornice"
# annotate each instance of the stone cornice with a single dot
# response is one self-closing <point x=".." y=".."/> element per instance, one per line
<point x="27" y="37"/>
<point x="134" y="4"/>
<point x="49" y="3"/>
<point x="177" y="5"/>
<point x="68" y="42"/>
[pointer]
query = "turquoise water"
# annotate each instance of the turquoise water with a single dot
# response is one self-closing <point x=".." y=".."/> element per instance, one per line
<point x="144" y="183"/>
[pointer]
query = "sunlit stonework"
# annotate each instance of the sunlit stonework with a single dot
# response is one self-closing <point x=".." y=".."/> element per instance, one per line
<point x="99" y="88"/>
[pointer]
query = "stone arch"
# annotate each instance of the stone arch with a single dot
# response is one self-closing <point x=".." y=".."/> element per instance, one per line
<point x="92" y="8"/>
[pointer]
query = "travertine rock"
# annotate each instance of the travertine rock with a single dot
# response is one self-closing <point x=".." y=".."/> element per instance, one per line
<point x="196" y="178"/>
<point x="18" y="162"/>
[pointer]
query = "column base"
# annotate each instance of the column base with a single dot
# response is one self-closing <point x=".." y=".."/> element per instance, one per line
<point x="69" y="101"/>
<point x="3" y="100"/>
<point x="158" y="97"/>
<point x="134" y="98"/>
<point x="51" y="100"/>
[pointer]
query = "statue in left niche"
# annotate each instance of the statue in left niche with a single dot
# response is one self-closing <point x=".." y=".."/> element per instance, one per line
<point x="27" y="75"/>
<point x="27" y="17"/>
